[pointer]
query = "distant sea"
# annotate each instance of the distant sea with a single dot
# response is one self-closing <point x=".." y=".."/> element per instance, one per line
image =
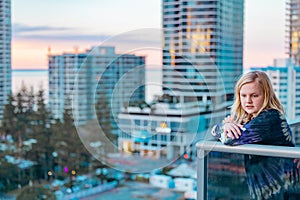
<point x="37" y="78"/>
<point x="30" y="78"/>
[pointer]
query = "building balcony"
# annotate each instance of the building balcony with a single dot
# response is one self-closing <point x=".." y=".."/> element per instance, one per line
<point x="205" y="147"/>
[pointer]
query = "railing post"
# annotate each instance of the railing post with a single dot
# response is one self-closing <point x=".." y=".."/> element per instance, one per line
<point x="201" y="175"/>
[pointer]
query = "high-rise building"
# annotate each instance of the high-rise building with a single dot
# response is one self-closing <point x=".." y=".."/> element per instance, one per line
<point x="285" y="78"/>
<point x="293" y="25"/>
<point x="5" y="53"/>
<point x="81" y="80"/>
<point x="202" y="59"/>
<point x="202" y="49"/>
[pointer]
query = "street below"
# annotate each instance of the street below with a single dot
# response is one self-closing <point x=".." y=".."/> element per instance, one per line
<point x="137" y="191"/>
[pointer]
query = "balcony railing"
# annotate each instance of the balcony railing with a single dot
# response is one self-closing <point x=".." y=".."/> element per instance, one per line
<point x="204" y="147"/>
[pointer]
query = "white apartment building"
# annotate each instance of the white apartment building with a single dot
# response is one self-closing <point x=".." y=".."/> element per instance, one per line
<point x="164" y="130"/>
<point x="285" y="79"/>
<point x="80" y="80"/>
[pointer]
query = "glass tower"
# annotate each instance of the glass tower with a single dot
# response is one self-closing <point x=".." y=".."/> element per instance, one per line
<point x="293" y="25"/>
<point x="5" y="53"/>
<point x="202" y="49"/>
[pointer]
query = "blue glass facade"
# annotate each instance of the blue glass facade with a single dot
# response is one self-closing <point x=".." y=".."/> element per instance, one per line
<point x="202" y="48"/>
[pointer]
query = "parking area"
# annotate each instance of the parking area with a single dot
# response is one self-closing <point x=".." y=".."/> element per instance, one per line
<point x="137" y="191"/>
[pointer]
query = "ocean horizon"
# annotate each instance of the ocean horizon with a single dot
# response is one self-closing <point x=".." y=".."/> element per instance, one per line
<point x="38" y="78"/>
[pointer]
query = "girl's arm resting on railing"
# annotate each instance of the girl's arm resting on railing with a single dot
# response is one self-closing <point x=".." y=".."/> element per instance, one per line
<point x="247" y="137"/>
<point x="268" y="128"/>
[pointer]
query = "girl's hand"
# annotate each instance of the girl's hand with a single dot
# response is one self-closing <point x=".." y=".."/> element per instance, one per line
<point x="229" y="118"/>
<point x="232" y="130"/>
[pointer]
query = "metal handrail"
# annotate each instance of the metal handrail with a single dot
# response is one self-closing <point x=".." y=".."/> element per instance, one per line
<point x="204" y="147"/>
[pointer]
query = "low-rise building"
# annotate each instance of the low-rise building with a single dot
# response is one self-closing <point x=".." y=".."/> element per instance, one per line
<point x="164" y="129"/>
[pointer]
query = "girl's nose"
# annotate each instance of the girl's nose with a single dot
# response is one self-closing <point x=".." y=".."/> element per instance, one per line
<point x="248" y="99"/>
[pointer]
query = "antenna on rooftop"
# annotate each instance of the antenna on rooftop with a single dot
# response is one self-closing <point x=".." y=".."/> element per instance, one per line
<point x="76" y="49"/>
<point x="49" y="50"/>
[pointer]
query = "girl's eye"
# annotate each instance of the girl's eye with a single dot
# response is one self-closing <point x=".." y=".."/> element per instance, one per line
<point x="255" y="95"/>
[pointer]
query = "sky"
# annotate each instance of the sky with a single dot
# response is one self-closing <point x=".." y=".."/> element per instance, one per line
<point x="59" y="26"/>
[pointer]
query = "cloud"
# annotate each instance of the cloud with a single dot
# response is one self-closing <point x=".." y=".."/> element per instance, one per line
<point x="22" y="28"/>
<point x="62" y="37"/>
<point x="131" y="39"/>
<point x="23" y="31"/>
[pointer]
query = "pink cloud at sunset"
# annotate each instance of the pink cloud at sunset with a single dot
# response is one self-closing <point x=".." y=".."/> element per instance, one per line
<point x="32" y="54"/>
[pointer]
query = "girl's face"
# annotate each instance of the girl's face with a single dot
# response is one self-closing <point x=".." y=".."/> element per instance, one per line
<point x="252" y="98"/>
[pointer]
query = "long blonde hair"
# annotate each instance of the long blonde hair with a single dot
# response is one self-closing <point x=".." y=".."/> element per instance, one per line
<point x="270" y="99"/>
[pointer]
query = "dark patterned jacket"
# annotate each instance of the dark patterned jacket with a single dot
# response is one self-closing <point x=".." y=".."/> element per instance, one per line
<point x="267" y="177"/>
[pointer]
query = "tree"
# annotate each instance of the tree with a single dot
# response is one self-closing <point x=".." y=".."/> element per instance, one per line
<point x="71" y="153"/>
<point x="9" y="118"/>
<point x="24" y="109"/>
<point x="21" y="122"/>
<point x="16" y="122"/>
<point x="27" y="117"/>
<point x="104" y="116"/>
<point x="8" y="175"/>
<point x="40" y="130"/>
